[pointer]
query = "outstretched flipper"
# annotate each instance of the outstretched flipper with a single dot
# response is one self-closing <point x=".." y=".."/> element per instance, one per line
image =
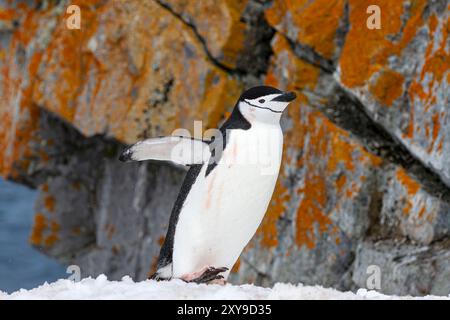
<point x="176" y="149"/>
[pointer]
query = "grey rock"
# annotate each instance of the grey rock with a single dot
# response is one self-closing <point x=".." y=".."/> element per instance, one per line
<point x="406" y="269"/>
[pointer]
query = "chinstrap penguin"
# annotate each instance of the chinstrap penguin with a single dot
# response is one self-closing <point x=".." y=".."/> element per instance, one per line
<point x="222" y="201"/>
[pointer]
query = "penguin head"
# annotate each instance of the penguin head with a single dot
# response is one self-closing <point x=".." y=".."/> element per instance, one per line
<point x="264" y="104"/>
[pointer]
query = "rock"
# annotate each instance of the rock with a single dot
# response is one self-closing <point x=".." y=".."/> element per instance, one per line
<point x="401" y="75"/>
<point x="405" y="269"/>
<point x="225" y="40"/>
<point x="319" y="25"/>
<point x="240" y="42"/>
<point x="83" y="69"/>
<point x="408" y="210"/>
<point x="364" y="178"/>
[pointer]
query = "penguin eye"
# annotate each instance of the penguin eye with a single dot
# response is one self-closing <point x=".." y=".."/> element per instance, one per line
<point x="261" y="100"/>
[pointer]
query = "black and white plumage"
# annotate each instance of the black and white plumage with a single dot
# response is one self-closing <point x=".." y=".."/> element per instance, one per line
<point x="226" y="192"/>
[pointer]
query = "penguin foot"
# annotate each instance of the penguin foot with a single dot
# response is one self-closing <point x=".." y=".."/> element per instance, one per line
<point x="207" y="274"/>
<point x="220" y="282"/>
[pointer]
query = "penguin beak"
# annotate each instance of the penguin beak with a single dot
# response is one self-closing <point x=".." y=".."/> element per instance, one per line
<point x="285" y="97"/>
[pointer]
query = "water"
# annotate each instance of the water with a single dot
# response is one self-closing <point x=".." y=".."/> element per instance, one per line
<point x="21" y="266"/>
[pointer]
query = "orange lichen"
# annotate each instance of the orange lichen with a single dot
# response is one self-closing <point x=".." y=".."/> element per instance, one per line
<point x="341" y="148"/>
<point x="311" y="211"/>
<point x="436" y="66"/>
<point x="161" y="240"/>
<point x="236" y="266"/>
<point x="53" y="236"/>
<point x="407" y="208"/>
<point x="219" y="97"/>
<point x="49" y="203"/>
<point x="438" y="62"/>
<point x="411" y="185"/>
<point x="44" y="156"/>
<point x="277" y="207"/>
<point x="7" y="14"/>
<point x="44" y="187"/>
<point x="225" y="40"/>
<point x="325" y="139"/>
<point x="288" y="70"/>
<point x="235" y="37"/>
<point x="19" y="127"/>
<point x="422" y="211"/>
<point x="366" y="51"/>
<point x="436" y="128"/>
<point x="39" y="226"/>
<point x="50" y="240"/>
<point x="414" y="88"/>
<point x="340" y="182"/>
<point x="387" y="87"/>
<point x="66" y="57"/>
<point x="316" y="22"/>
<point x="153" y="266"/>
<point x="433" y="23"/>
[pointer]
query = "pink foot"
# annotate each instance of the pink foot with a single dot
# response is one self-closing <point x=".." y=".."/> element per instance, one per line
<point x="220" y="282"/>
<point x="188" y="277"/>
<point x="205" y="275"/>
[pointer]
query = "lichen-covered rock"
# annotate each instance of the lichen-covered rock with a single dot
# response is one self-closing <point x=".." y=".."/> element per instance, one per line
<point x="224" y="40"/>
<point x="401" y="74"/>
<point x="19" y="60"/>
<point x="131" y="76"/>
<point x="240" y="42"/>
<point x="409" y="211"/>
<point x="365" y="176"/>
<point x="318" y="24"/>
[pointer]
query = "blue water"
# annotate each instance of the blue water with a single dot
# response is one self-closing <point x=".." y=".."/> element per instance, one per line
<point x="21" y="266"/>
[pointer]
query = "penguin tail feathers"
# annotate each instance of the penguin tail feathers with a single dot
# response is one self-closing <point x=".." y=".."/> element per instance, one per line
<point x="162" y="273"/>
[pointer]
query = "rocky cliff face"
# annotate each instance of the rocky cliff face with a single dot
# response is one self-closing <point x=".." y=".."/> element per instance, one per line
<point x="365" y="177"/>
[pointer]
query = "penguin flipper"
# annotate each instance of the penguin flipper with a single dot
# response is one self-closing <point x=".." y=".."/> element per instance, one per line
<point x="176" y="149"/>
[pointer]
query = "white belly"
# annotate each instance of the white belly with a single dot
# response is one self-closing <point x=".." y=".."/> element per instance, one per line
<point x="223" y="211"/>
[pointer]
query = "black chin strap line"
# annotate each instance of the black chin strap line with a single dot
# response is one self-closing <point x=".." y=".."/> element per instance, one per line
<point x="274" y="111"/>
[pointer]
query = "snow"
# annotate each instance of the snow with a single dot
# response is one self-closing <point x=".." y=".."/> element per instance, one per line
<point x="102" y="288"/>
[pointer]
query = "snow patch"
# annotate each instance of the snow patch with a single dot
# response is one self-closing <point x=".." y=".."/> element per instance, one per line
<point x="102" y="288"/>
